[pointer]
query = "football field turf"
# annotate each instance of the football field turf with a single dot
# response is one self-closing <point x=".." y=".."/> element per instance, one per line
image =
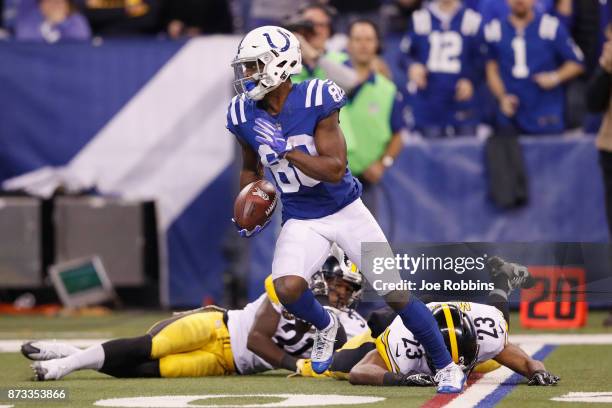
<point x="583" y="367"/>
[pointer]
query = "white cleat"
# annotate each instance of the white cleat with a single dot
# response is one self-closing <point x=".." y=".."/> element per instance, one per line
<point x="47" y="350"/>
<point x="323" y="347"/>
<point x="450" y="379"/>
<point x="49" y="370"/>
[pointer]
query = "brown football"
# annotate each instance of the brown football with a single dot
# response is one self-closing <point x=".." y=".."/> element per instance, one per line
<point x="255" y="204"/>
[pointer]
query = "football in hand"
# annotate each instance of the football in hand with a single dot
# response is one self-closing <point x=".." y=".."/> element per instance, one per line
<point x="255" y="204"/>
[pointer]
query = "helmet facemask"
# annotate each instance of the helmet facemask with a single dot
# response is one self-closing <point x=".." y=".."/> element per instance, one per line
<point x="345" y="271"/>
<point x="250" y="77"/>
<point x="257" y="76"/>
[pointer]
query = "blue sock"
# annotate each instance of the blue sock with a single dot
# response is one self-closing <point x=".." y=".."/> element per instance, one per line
<point x="418" y="319"/>
<point x="309" y="309"/>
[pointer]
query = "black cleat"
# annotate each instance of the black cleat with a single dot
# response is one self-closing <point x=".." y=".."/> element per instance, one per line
<point x="40" y="350"/>
<point x="39" y="371"/>
<point x="29" y="351"/>
<point x="518" y="276"/>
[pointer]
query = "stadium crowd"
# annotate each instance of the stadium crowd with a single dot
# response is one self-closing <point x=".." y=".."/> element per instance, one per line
<point x="512" y="65"/>
<point x="435" y="69"/>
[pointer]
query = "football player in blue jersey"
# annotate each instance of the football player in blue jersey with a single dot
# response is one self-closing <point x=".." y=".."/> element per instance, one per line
<point x="444" y="55"/>
<point x="293" y="130"/>
<point x="530" y="57"/>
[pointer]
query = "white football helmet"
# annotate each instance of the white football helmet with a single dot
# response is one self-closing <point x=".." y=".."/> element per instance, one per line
<point x="266" y="57"/>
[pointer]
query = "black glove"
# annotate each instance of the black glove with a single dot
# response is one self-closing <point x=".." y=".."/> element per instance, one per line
<point x="419" y="380"/>
<point x="412" y="379"/>
<point x="543" y="378"/>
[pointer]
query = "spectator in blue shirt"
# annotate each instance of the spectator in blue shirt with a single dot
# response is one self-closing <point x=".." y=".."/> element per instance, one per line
<point x="443" y="50"/>
<point x="52" y="21"/>
<point x="530" y="57"/>
<point x="13" y="8"/>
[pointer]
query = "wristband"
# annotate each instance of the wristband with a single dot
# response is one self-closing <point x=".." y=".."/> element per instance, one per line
<point x="409" y="380"/>
<point x="392" y="379"/>
<point x="288" y="362"/>
<point x="387" y="161"/>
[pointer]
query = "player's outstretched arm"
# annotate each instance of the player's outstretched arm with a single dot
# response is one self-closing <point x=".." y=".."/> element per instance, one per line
<point x="329" y="166"/>
<point x="260" y="338"/>
<point x="517" y="360"/>
<point x="370" y="370"/>
<point x="252" y="169"/>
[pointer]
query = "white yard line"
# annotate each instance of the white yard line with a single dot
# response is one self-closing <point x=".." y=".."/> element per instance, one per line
<point x="13" y="346"/>
<point x="562" y="339"/>
<point x="488" y="383"/>
<point x="600" y="397"/>
<point x="10" y="335"/>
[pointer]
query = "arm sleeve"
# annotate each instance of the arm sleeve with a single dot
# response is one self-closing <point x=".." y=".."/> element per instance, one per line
<point x="566" y="21"/>
<point x="403" y="59"/>
<point x="75" y="27"/>
<point x="397" y="118"/>
<point x="333" y="98"/>
<point x="412" y="48"/>
<point x="491" y="39"/>
<point x="27" y="27"/>
<point x="475" y="66"/>
<point x="231" y="123"/>
<point x="489" y="348"/>
<point x="598" y="91"/>
<point x="345" y="77"/>
<point x="565" y="46"/>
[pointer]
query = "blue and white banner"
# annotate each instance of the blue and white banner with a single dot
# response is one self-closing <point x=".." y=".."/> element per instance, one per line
<point x="143" y="120"/>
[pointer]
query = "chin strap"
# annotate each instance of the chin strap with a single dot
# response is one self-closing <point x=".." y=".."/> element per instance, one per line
<point x="258" y="91"/>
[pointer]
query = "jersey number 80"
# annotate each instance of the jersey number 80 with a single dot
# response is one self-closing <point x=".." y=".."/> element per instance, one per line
<point x="289" y="178"/>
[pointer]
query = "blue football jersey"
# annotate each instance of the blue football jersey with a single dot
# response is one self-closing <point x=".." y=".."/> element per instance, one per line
<point x="543" y="47"/>
<point x="450" y="50"/>
<point x="308" y="103"/>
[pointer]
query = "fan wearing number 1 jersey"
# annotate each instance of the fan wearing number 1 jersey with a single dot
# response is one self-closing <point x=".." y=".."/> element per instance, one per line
<point x="444" y="60"/>
<point x="293" y="131"/>
<point x="530" y="57"/>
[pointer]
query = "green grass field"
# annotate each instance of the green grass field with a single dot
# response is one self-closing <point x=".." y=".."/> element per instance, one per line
<point x="583" y="368"/>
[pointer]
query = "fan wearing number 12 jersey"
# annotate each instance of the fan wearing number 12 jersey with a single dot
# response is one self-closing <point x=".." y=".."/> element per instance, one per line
<point x="443" y="50"/>
<point x="293" y="130"/>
